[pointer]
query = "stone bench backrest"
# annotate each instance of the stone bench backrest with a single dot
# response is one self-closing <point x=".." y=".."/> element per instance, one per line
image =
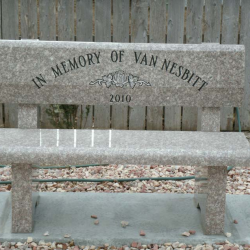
<point x="46" y="72"/>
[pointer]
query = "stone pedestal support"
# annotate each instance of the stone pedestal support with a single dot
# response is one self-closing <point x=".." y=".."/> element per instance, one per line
<point x="210" y="182"/>
<point x="22" y="198"/>
<point x="210" y="197"/>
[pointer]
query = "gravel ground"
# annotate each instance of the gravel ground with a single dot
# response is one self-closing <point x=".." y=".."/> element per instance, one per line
<point x="238" y="182"/>
<point x="41" y="245"/>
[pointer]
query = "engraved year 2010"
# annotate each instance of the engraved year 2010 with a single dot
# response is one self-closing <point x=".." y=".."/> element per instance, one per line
<point x="120" y="98"/>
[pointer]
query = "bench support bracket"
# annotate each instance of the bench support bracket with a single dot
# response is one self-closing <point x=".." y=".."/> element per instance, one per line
<point x="211" y="182"/>
<point x="22" y="198"/>
<point x="27" y="116"/>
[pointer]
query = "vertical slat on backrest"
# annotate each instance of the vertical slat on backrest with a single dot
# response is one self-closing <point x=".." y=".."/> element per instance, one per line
<point x="175" y="34"/>
<point x="1" y="105"/>
<point x="84" y="32"/>
<point x="212" y="21"/>
<point x="102" y="34"/>
<point x="193" y="35"/>
<point x="157" y="32"/>
<point x="84" y="17"/>
<point x="230" y="29"/>
<point x="28" y="19"/>
<point x="139" y="27"/>
<point x="66" y="20"/>
<point x="10" y="19"/>
<point x="10" y="31"/>
<point x="120" y="34"/>
<point x="47" y="20"/>
<point x="245" y="39"/>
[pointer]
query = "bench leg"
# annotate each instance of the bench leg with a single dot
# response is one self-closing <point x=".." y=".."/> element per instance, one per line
<point x="210" y="197"/>
<point x="21" y="198"/>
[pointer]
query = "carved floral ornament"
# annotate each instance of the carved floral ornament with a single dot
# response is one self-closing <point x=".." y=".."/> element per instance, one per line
<point x="120" y="79"/>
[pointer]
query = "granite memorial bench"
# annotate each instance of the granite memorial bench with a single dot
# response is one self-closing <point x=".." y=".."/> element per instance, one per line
<point x="207" y="76"/>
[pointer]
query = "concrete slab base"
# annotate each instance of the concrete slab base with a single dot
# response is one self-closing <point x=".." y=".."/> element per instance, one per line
<point x="163" y="217"/>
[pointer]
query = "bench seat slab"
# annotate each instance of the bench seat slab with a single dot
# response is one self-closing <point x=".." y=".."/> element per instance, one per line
<point x="74" y="147"/>
<point x="21" y="198"/>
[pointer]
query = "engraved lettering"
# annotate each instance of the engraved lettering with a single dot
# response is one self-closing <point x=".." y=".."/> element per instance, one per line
<point x="204" y="83"/>
<point x="40" y="79"/>
<point x="137" y="57"/>
<point x="74" y="64"/>
<point x="197" y="79"/>
<point x="185" y="75"/>
<point x="153" y="60"/>
<point x="64" y="66"/>
<point x="144" y="59"/>
<point x="57" y="72"/>
<point x="97" y="57"/>
<point x="173" y="66"/>
<point x="82" y="61"/>
<point x="90" y="59"/>
<point x="180" y="71"/>
<point x="165" y="64"/>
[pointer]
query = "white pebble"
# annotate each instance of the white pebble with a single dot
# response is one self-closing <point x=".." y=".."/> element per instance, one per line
<point x="29" y="239"/>
<point x="187" y="234"/>
<point x="46" y="233"/>
<point x="124" y="223"/>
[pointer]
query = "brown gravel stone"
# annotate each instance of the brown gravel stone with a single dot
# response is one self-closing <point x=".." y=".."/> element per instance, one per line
<point x="235" y="222"/>
<point x="94" y="216"/>
<point x="142" y="233"/>
<point x="234" y="248"/>
<point x="72" y="243"/>
<point x="192" y="231"/>
<point x="134" y="244"/>
<point x="64" y="246"/>
<point x="155" y="247"/>
<point x="139" y="246"/>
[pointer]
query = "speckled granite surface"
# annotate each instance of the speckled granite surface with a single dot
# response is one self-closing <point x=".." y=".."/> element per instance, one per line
<point x="210" y="119"/>
<point x="211" y="196"/>
<point x="27" y="116"/>
<point x="210" y="181"/>
<point x="45" y="72"/>
<point x="22" y="198"/>
<point x="46" y="147"/>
